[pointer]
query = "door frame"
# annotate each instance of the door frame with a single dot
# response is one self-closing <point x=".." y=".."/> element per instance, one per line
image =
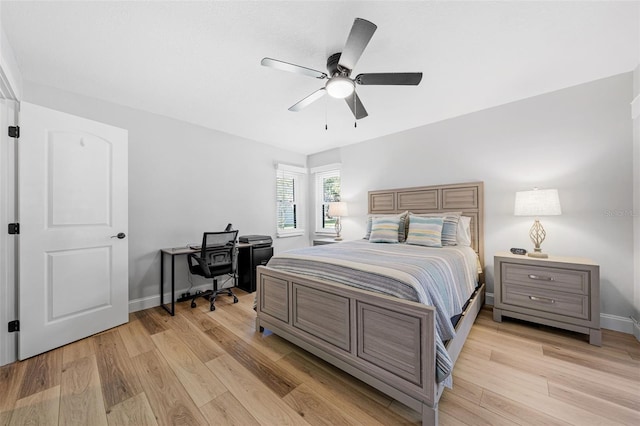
<point x="8" y="243"/>
<point x="10" y="95"/>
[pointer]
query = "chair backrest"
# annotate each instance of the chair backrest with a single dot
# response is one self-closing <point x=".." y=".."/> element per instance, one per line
<point x="219" y="250"/>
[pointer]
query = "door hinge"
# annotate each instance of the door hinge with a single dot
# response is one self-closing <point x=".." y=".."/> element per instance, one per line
<point x="14" y="228"/>
<point x="14" y="326"/>
<point x="14" y="131"/>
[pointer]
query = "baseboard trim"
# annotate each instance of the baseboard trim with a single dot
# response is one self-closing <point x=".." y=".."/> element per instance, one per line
<point x="636" y="329"/>
<point x="610" y="322"/>
<point x="616" y="323"/>
<point x="488" y="299"/>
<point x="153" y="301"/>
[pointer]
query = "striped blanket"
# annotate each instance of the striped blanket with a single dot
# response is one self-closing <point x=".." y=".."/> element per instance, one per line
<point x="441" y="277"/>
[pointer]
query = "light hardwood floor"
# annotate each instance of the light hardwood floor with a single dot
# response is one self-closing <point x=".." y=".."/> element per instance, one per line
<point x="203" y="367"/>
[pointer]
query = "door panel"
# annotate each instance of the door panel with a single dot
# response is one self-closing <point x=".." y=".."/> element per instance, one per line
<point x="72" y="201"/>
<point x="66" y="275"/>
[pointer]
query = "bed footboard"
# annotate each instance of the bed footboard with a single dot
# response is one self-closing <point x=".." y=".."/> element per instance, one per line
<point x="386" y="342"/>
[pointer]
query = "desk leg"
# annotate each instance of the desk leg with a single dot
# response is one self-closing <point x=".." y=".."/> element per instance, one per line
<point x="172" y="310"/>
<point x="161" y="278"/>
<point x="173" y="285"/>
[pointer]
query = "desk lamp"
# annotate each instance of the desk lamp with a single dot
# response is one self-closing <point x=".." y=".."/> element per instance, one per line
<point x="539" y="202"/>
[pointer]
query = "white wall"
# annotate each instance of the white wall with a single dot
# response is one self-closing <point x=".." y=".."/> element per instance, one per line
<point x="10" y="77"/>
<point x="183" y="180"/>
<point x="578" y="140"/>
<point x="636" y="196"/>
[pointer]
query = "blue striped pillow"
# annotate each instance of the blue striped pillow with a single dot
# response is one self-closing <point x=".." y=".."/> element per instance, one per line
<point x="384" y="229"/>
<point x="449" y="227"/>
<point x="425" y="231"/>
<point x="402" y="231"/>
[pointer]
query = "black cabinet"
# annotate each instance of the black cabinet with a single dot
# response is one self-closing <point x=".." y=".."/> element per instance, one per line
<point x="248" y="259"/>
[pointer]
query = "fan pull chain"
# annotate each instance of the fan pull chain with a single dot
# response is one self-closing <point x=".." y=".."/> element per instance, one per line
<point x="355" y="109"/>
<point x="326" y="126"/>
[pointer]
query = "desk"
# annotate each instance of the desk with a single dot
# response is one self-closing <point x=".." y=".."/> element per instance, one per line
<point x="173" y="252"/>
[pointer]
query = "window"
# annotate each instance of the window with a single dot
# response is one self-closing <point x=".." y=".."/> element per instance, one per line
<point x="327" y="191"/>
<point x="290" y="200"/>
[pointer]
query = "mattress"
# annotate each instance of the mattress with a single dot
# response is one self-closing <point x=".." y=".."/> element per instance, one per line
<point x="441" y="277"/>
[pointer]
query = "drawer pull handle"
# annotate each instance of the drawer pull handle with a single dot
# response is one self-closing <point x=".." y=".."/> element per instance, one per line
<point x="542" y="299"/>
<point x="540" y="277"/>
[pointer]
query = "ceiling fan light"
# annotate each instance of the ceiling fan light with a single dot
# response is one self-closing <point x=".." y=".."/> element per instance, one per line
<point x="340" y="87"/>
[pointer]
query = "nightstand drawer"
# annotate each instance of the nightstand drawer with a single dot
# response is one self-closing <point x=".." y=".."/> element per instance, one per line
<point x="565" y="280"/>
<point x="556" y="302"/>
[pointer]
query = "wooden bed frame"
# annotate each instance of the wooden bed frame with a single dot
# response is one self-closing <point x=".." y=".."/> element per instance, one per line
<point x="384" y="341"/>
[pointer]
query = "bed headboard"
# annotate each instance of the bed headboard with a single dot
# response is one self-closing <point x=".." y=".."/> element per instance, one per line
<point x="465" y="197"/>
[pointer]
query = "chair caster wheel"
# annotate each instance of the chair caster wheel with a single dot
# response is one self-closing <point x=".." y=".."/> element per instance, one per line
<point x="235" y="299"/>
<point x="193" y="304"/>
<point x="212" y="308"/>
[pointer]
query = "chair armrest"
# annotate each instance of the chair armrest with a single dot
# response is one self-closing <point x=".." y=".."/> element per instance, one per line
<point x="202" y="263"/>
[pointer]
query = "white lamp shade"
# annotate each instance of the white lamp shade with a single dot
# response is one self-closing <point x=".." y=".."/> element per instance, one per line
<point x="338" y="209"/>
<point x="539" y="202"/>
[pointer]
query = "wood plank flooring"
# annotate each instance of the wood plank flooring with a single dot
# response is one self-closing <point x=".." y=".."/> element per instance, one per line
<point x="203" y="367"/>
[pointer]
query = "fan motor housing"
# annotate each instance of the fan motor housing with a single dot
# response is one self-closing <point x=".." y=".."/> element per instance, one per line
<point x="333" y="67"/>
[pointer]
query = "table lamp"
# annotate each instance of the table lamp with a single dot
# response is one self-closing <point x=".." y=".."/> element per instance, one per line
<point x="338" y="209"/>
<point x="539" y="202"/>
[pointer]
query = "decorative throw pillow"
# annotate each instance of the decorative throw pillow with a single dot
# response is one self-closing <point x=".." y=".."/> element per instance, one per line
<point x="404" y="217"/>
<point x="384" y="229"/>
<point x="425" y="231"/>
<point x="449" y="227"/>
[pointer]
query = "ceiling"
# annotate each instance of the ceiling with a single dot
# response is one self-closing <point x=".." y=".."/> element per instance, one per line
<point x="200" y="61"/>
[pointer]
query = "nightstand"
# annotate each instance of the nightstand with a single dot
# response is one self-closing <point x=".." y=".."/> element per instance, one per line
<point x="322" y="241"/>
<point x="561" y="292"/>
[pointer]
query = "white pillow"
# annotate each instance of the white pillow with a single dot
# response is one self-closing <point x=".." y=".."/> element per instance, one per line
<point x="464" y="231"/>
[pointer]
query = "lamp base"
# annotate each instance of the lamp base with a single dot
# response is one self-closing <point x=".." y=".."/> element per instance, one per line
<point x="538" y="255"/>
<point x="338" y="227"/>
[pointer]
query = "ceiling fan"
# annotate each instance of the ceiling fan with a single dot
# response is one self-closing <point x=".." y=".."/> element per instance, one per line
<point x="339" y="83"/>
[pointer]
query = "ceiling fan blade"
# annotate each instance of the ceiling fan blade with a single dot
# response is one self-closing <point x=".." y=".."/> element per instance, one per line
<point x="285" y="66"/>
<point x="357" y="109"/>
<point x="361" y="32"/>
<point x="390" y="78"/>
<point x="308" y="100"/>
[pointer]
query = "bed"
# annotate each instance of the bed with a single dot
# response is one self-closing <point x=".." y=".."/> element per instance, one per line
<point x="395" y="342"/>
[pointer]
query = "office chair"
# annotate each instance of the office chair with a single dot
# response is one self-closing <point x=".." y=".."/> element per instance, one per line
<point x="217" y="257"/>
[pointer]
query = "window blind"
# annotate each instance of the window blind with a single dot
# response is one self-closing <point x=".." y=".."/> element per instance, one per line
<point x="328" y="191"/>
<point x="290" y="200"/>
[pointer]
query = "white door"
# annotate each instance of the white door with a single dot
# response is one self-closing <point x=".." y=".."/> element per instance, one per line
<point x="72" y="190"/>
